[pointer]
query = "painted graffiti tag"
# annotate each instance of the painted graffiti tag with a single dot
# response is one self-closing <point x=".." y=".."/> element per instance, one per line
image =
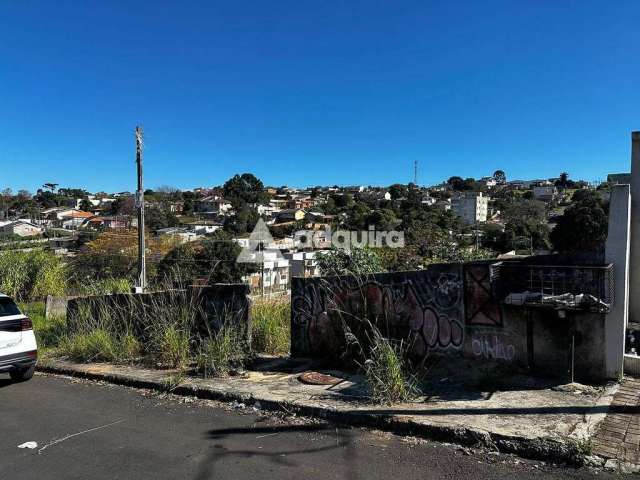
<point x="425" y="306"/>
<point x="492" y="347"/>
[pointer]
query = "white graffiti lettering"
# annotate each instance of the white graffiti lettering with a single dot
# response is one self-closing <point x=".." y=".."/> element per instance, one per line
<point x="490" y="347"/>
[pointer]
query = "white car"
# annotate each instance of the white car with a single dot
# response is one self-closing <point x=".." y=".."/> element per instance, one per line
<point x="18" y="349"/>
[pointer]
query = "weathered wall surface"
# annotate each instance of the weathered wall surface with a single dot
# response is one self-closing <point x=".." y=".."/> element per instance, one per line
<point x="427" y="303"/>
<point x="450" y="309"/>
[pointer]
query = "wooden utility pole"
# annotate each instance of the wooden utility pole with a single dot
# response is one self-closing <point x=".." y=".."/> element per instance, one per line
<point x="142" y="266"/>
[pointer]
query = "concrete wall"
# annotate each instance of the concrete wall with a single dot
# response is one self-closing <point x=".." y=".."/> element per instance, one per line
<point x="634" y="285"/>
<point x="617" y="251"/>
<point x="426" y="303"/>
<point x="55" y="307"/>
<point x="450" y="309"/>
<point x="213" y="307"/>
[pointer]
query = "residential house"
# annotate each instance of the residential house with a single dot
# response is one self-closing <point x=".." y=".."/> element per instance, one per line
<point x="117" y="223"/>
<point x="428" y="200"/>
<point x="74" y="219"/>
<point x="273" y="275"/>
<point x="182" y="235"/>
<point x="203" y="227"/>
<point x="488" y="182"/>
<point x="213" y="204"/>
<point x="268" y="210"/>
<point x="545" y="193"/>
<point x="290" y="215"/>
<point x="21" y="228"/>
<point x="300" y="202"/>
<point x="304" y="264"/>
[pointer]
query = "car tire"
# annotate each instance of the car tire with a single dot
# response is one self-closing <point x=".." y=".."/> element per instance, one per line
<point x="23" y="375"/>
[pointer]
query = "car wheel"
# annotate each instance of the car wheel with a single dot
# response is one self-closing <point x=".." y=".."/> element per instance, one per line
<point x="23" y="375"/>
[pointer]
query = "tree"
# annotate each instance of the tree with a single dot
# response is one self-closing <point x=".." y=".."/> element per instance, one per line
<point x="583" y="226"/>
<point x="383" y="219"/>
<point x="212" y="260"/>
<point x="500" y="177"/>
<point x="86" y="205"/>
<point x="114" y="254"/>
<point x="525" y="224"/>
<point x="397" y="190"/>
<point x="245" y="188"/>
<point x="456" y="183"/>
<point x="564" y="182"/>
<point x="123" y="206"/>
<point x="242" y="221"/>
<point x="159" y="217"/>
<point x="357" y="261"/>
<point x="50" y="186"/>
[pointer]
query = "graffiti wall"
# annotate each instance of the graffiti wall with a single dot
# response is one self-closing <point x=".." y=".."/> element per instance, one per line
<point x="427" y="306"/>
<point x="451" y="309"/>
<point x="447" y="308"/>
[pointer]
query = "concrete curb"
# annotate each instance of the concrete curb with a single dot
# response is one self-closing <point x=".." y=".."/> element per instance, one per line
<point x="545" y="449"/>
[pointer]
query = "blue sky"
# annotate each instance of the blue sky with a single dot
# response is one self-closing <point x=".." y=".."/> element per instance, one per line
<point x="314" y="92"/>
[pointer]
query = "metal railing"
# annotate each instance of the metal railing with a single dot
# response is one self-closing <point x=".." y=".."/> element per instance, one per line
<point x="577" y="287"/>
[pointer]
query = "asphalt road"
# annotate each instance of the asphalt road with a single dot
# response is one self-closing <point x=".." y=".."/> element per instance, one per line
<point x="97" y="431"/>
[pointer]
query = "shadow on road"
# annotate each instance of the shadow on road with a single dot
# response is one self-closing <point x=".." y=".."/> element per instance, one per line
<point x="280" y="453"/>
<point x="5" y="382"/>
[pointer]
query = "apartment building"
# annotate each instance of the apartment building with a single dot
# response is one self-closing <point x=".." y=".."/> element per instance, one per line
<point x="471" y="207"/>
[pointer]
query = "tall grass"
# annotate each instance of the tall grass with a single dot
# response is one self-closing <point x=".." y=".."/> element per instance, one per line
<point x="271" y="326"/>
<point x="170" y="330"/>
<point x="49" y="331"/>
<point x="387" y="372"/>
<point x="367" y="342"/>
<point x="160" y="327"/>
<point x="223" y="352"/>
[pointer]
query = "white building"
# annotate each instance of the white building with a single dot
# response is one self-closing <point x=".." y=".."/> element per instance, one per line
<point x="303" y="264"/>
<point x="181" y="235"/>
<point x="213" y="205"/>
<point x="21" y="228"/>
<point x="272" y="275"/>
<point x="471" y="207"/>
<point x="545" y="193"/>
<point x="488" y="182"/>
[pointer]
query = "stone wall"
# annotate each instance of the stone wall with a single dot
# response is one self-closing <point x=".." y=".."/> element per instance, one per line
<point x="449" y="309"/>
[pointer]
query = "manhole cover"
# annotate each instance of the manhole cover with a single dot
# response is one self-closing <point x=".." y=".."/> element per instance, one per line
<point x="316" y="378"/>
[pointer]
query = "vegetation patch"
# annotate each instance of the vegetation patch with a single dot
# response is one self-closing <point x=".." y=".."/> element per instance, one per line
<point x="223" y="353"/>
<point x="271" y="326"/>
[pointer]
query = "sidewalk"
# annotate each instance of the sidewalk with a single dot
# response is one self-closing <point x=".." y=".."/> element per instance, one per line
<point x="541" y="423"/>
<point x="618" y="436"/>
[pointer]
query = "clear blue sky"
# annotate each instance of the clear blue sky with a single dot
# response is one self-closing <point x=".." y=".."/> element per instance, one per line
<point x="315" y="92"/>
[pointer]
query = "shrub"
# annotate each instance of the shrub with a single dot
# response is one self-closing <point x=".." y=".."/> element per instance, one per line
<point x="271" y="326"/>
<point x="222" y="353"/>
<point x="32" y="275"/>
<point x="105" y="286"/>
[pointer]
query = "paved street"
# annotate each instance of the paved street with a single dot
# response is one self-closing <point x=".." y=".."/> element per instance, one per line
<point x="90" y="430"/>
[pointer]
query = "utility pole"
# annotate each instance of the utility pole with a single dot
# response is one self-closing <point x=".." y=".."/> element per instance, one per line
<point x="142" y="266"/>
<point x="260" y="248"/>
